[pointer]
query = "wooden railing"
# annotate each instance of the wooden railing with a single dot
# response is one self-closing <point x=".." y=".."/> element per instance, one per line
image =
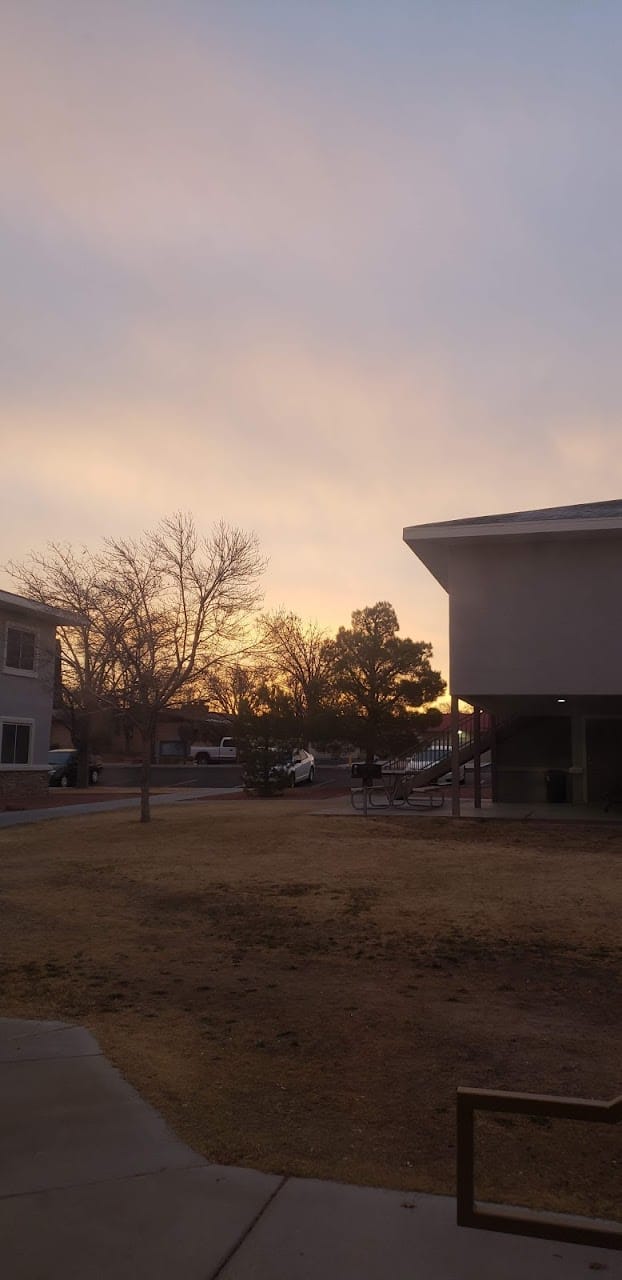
<point x="523" y="1222"/>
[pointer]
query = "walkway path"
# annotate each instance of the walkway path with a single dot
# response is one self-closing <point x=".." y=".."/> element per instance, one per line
<point x="108" y="806"/>
<point x="93" y="1185"/>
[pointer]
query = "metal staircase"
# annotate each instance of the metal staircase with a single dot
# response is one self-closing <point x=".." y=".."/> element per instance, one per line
<point x="429" y="762"/>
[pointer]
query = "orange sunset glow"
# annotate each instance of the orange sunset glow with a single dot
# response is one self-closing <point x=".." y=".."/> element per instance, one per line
<point x="322" y="271"/>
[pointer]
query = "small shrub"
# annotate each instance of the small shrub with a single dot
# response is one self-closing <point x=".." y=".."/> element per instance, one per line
<point x="260" y="759"/>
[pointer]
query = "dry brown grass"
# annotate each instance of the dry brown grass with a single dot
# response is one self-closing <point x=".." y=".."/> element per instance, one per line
<point x="303" y="994"/>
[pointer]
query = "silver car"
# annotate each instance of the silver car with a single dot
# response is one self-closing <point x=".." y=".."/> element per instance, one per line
<point x="299" y="768"/>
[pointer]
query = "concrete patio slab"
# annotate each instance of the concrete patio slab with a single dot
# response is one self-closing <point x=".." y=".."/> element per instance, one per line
<point x="342" y="807"/>
<point x="167" y="1226"/>
<point x="314" y="1230"/>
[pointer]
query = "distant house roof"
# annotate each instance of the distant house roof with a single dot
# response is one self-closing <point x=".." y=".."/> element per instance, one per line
<point x="430" y="542"/>
<point x="20" y="604"/>
<point x="194" y="712"/>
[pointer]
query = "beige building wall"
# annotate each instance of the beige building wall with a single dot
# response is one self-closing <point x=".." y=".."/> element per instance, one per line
<point x="539" y="617"/>
<point x="29" y="696"/>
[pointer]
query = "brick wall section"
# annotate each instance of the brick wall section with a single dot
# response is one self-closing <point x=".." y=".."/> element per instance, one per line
<point x="20" y="790"/>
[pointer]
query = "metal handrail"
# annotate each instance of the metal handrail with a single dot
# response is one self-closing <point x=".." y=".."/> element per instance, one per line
<point x="437" y="749"/>
<point x="516" y="1221"/>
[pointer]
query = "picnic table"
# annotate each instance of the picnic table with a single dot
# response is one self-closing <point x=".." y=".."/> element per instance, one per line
<point x="398" y="790"/>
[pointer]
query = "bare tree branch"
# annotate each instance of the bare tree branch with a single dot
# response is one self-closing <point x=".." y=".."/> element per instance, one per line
<point x="163" y="611"/>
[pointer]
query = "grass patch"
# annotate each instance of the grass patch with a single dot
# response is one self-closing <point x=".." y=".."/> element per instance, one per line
<point x="303" y="994"/>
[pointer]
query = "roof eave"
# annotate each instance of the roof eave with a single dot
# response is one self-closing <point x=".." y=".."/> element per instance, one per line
<point x="515" y="529"/>
<point x="61" y="617"/>
<point x="431" y="543"/>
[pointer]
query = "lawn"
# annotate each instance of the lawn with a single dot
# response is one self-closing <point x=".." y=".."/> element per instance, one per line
<point x="302" y="994"/>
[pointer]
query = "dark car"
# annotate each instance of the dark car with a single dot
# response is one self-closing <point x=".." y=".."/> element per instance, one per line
<point x="63" y="767"/>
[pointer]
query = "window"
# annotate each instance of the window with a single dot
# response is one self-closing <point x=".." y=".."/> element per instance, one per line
<point x="19" y="653"/>
<point x="15" y="742"/>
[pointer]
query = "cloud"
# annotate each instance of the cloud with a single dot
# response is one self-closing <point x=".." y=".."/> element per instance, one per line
<point x="124" y="130"/>
<point x="324" y="287"/>
<point x="150" y="146"/>
<point x="589" y="452"/>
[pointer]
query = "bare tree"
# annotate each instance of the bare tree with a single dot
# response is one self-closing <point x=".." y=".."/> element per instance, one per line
<point x="300" y="655"/>
<point x="235" y="688"/>
<point x="177" y="606"/>
<point x="160" y="614"/>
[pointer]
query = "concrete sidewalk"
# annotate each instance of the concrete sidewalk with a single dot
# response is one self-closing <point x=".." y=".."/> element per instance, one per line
<point x="22" y="816"/>
<point x="93" y="1185"/>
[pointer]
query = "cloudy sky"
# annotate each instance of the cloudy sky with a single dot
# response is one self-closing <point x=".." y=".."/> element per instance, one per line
<point x="324" y="268"/>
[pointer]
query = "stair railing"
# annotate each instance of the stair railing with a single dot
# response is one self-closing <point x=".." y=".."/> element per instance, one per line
<point x="436" y="750"/>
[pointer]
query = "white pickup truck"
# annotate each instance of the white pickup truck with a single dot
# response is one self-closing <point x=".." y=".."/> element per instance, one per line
<point x="209" y="753"/>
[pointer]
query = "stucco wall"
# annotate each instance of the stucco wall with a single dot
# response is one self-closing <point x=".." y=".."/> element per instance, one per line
<point x="25" y="696"/>
<point x="524" y="758"/>
<point x="542" y="617"/>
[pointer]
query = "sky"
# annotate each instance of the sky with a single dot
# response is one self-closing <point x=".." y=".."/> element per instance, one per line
<point x="321" y="268"/>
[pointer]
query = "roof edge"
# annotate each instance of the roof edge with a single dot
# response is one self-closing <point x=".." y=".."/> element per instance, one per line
<point x="21" y="604"/>
<point x="445" y="531"/>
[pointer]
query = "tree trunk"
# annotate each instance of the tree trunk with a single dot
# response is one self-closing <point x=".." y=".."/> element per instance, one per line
<point x="80" y="732"/>
<point x="145" y="779"/>
<point x="82" y="765"/>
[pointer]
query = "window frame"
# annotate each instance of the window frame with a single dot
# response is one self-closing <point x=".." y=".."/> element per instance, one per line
<point x="29" y="672"/>
<point x="19" y="720"/>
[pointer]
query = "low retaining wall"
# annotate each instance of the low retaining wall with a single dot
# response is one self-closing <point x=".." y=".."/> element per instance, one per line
<point x="19" y="788"/>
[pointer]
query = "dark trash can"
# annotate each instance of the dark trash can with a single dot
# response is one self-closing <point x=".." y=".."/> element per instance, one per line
<point x="557" y="786"/>
<point x="366" y="772"/>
